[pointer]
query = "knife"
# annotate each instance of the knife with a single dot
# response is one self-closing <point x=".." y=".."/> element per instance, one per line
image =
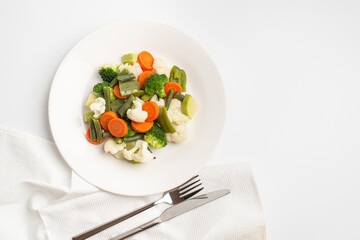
<point x="174" y="211"/>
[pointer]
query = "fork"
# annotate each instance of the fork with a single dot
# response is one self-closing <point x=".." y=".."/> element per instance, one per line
<point x="171" y="197"/>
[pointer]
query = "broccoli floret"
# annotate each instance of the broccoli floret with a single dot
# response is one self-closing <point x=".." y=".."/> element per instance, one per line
<point x="155" y="84"/>
<point x="131" y="131"/>
<point x="156" y="137"/>
<point x="107" y="73"/>
<point x="98" y="88"/>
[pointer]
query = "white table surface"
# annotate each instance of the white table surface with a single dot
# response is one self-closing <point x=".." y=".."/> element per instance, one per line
<point x="292" y="79"/>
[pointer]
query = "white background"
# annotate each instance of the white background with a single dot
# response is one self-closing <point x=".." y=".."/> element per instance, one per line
<point x="292" y="80"/>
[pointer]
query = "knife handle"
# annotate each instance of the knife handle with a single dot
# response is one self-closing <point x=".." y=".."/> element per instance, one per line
<point x="138" y="229"/>
<point x="111" y="223"/>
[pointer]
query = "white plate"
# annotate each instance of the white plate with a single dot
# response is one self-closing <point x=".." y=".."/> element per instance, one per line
<point x="78" y="73"/>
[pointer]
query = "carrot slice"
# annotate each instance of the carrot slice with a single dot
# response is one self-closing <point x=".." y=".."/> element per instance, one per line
<point x="142" y="127"/>
<point x="118" y="93"/>
<point x="91" y="141"/>
<point x="143" y="76"/>
<point x="152" y="109"/>
<point x="105" y="119"/>
<point x="174" y="86"/>
<point x="117" y="127"/>
<point x="145" y="60"/>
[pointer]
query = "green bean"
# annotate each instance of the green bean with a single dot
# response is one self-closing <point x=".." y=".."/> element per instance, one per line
<point x="129" y="87"/>
<point x="115" y="105"/>
<point x="125" y="78"/>
<point x="138" y="136"/>
<point x="136" y="93"/>
<point x="169" y="98"/>
<point x="92" y="130"/>
<point x="113" y="82"/>
<point x="106" y="134"/>
<point x="122" y="110"/>
<point x="99" y="135"/>
<point x="107" y="98"/>
<point x="118" y="140"/>
<point x="179" y="96"/>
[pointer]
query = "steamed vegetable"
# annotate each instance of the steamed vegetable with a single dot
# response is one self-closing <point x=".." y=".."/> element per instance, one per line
<point x="118" y="93"/>
<point x="131" y="131"/>
<point x="189" y="106"/>
<point x="165" y="121"/>
<point x="99" y="88"/>
<point x="89" y="139"/>
<point x="122" y="110"/>
<point x="129" y="58"/>
<point x="138" y="136"/>
<point x="143" y="76"/>
<point x="156" y="137"/>
<point x="136" y="113"/>
<point x="107" y="91"/>
<point x="125" y="78"/>
<point x="116" y="104"/>
<point x="117" y="127"/>
<point x="129" y="88"/>
<point x="132" y="97"/>
<point x="172" y="86"/>
<point x="115" y="81"/>
<point x="142" y="126"/>
<point x="155" y="85"/>
<point x="87" y="116"/>
<point x="169" y="98"/>
<point x="179" y="76"/>
<point x="107" y="73"/>
<point x="92" y="130"/>
<point x="91" y="98"/>
<point x="145" y="60"/>
<point x="152" y="110"/>
<point x="179" y="96"/>
<point x="106" y="118"/>
<point x="99" y="135"/>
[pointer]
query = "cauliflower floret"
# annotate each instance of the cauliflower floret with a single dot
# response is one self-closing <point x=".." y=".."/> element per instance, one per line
<point x="143" y="155"/>
<point x="161" y="67"/>
<point x="179" y="121"/>
<point x="135" y="68"/>
<point x="112" y="147"/>
<point x="139" y="153"/>
<point x="98" y="107"/>
<point x="175" y="113"/>
<point x="137" y="114"/>
<point x="181" y="134"/>
<point x="160" y="102"/>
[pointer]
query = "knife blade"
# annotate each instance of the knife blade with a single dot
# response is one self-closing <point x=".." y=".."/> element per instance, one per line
<point x="192" y="203"/>
<point x="175" y="211"/>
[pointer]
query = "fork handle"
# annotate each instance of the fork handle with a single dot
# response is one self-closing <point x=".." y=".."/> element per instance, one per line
<point x="111" y="223"/>
<point x="138" y="229"/>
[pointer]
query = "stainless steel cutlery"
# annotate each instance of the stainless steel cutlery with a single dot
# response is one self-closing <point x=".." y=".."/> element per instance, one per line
<point x="174" y="211"/>
<point x="172" y="197"/>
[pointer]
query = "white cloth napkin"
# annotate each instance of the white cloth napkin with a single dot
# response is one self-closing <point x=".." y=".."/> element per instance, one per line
<point x="41" y="198"/>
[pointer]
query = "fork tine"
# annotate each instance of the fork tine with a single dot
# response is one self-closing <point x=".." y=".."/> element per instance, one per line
<point x="187" y="186"/>
<point x="188" y="181"/>
<point x="192" y="194"/>
<point x="188" y="190"/>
